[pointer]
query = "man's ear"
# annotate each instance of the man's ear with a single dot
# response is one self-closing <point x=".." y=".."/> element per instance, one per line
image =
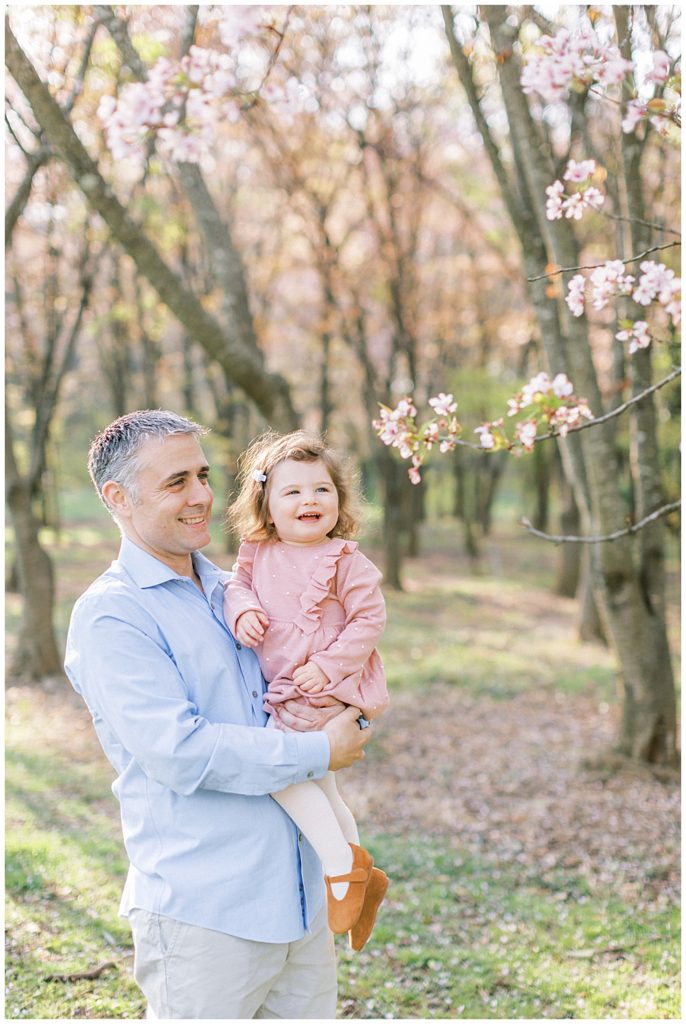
<point x="116" y="498"/>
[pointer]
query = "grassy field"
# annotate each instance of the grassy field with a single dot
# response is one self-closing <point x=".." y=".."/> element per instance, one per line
<point x="529" y="881"/>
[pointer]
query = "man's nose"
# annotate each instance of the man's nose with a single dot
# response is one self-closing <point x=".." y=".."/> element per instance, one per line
<point x="200" y="492"/>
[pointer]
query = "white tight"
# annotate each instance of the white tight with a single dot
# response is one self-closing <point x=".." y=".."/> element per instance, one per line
<point x="326" y="821"/>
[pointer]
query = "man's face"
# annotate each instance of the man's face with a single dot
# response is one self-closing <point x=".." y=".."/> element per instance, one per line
<point x="173" y="502"/>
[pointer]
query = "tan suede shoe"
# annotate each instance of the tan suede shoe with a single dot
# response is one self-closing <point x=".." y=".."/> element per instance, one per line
<point x="376" y="890"/>
<point x="344" y="913"/>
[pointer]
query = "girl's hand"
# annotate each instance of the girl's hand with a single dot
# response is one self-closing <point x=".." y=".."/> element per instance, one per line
<point x="310" y="678"/>
<point x="250" y="627"/>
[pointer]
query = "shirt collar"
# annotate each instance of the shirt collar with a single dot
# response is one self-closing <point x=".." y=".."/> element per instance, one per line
<point x="147" y="571"/>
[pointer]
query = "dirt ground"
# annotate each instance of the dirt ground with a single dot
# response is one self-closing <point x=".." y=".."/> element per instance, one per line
<point x="510" y="781"/>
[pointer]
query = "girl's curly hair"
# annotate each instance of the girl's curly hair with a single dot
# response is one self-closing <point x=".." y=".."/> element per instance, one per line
<point x="248" y="515"/>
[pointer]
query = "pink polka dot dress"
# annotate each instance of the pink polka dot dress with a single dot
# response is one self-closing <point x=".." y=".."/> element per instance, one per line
<point x="324" y="605"/>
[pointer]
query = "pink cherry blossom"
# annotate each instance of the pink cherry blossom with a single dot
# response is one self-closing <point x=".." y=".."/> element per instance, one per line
<point x="562" y="385"/>
<point x="670" y="298"/>
<point x="431" y="434"/>
<point x="526" y="433"/>
<point x="575" y="295"/>
<point x="486" y="438"/>
<point x="538" y="385"/>
<point x="660" y="69"/>
<point x="579" y="171"/>
<point x="593" y="197"/>
<point x="635" y="112"/>
<point x="553" y="206"/>
<point x="654" y="278"/>
<point x="443" y="404"/>
<point x="638" y="336"/>
<point x="239" y="21"/>
<point x="609" y="280"/>
<point x="574" y="206"/>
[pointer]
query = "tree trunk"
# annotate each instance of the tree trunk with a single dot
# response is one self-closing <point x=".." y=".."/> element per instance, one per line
<point x="591" y="628"/>
<point x="391" y="476"/>
<point x="492" y="467"/>
<point x="648" y="730"/>
<point x="569" y="555"/>
<point x="36" y="654"/>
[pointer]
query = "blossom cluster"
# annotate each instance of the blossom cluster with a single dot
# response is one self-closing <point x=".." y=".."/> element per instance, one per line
<point x="183" y="101"/>
<point x="577" y="60"/>
<point x="572" y="205"/>
<point x="569" y="60"/>
<point x="548" y="403"/>
<point x="398" y="428"/>
<point x="656" y="283"/>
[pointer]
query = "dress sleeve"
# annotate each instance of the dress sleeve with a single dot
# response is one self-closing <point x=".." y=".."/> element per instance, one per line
<point x="239" y="593"/>
<point x="358" y="590"/>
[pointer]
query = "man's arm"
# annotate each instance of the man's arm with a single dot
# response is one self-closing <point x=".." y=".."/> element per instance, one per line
<point x="118" y="661"/>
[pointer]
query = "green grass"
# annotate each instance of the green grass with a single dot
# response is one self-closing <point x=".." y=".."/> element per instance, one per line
<point x="64" y="870"/>
<point x="460" y="937"/>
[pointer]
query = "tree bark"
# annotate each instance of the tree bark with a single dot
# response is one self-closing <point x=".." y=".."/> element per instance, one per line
<point x="36" y="655"/>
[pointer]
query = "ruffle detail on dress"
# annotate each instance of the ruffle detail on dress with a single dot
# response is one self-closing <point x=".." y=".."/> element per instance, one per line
<point x="318" y="588"/>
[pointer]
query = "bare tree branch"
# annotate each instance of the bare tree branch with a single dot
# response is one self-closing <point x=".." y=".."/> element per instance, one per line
<point x="634" y="528"/>
<point x="16" y="205"/>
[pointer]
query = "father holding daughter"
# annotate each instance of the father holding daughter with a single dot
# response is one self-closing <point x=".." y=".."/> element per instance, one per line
<point x="224" y="892"/>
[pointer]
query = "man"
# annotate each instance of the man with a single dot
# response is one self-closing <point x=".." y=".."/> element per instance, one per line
<point x="224" y="897"/>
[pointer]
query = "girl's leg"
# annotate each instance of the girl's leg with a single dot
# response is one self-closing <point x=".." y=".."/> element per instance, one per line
<point x="343" y="813"/>
<point x="309" y="807"/>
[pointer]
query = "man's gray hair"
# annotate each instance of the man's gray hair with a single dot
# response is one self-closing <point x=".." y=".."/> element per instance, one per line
<point x="113" y="452"/>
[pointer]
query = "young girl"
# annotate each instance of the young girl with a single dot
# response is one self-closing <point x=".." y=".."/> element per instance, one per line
<point x="309" y="603"/>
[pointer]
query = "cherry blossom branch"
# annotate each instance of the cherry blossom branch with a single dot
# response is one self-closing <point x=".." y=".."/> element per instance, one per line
<point x="634" y="528"/>
<point x="676" y="372"/>
<point x="595" y="266"/>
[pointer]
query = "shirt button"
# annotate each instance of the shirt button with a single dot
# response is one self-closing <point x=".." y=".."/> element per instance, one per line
<point x="254" y="693"/>
<point x="238" y="647"/>
<point x="310" y="775"/>
<point x="300" y="839"/>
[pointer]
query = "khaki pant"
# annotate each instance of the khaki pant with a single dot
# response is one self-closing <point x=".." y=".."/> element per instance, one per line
<point x="192" y="973"/>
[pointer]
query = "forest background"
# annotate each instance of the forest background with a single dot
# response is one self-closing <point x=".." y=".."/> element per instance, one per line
<point x="354" y="210"/>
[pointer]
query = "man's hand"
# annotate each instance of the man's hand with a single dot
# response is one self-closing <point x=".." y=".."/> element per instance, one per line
<point x="311" y="717"/>
<point x="310" y="678"/>
<point x="346" y="739"/>
<point x="250" y="627"/>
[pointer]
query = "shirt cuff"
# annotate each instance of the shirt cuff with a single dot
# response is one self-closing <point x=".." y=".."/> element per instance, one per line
<point x="314" y="754"/>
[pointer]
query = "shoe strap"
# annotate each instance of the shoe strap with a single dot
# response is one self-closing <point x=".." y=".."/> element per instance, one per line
<point x="356" y="875"/>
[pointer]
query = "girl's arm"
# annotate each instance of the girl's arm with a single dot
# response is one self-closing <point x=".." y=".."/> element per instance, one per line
<point x="357" y="588"/>
<point x="239" y="595"/>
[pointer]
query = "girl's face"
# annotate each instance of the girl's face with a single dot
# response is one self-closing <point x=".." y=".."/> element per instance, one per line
<point x="303" y="502"/>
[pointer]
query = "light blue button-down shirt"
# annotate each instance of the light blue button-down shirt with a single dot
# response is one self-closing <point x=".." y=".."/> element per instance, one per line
<point x="177" y="705"/>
